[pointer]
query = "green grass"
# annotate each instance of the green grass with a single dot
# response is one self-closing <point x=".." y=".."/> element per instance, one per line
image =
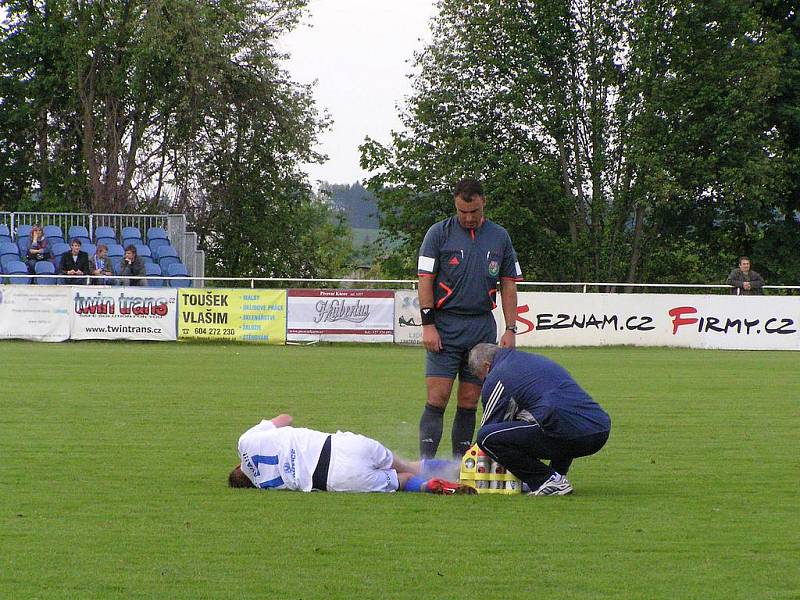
<point x="113" y="458"/>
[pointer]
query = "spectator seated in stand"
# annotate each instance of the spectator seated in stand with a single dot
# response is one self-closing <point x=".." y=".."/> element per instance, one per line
<point x="38" y="249"/>
<point x="74" y="262"/>
<point x="132" y="266"/>
<point x="101" y="265"/>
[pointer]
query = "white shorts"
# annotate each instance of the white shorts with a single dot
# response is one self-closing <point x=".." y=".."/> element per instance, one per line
<point x="360" y="464"/>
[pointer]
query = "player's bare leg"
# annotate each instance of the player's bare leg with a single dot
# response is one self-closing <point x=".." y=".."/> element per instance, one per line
<point x="409" y="467"/>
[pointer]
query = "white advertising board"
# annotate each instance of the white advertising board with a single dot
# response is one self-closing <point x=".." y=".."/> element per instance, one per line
<point x="693" y="321"/>
<point x="123" y="313"/>
<point x="407" y="324"/>
<point x="34" y="312"/>
<point x="340" y="315"/>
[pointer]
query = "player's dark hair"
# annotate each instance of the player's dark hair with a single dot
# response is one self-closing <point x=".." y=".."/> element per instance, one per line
<point x="131" y="248"/>
<point x="741" y="258"/>
<point x="468" y="188"/>
<point x="76" y="241"/>
<point x="237" y="479"/>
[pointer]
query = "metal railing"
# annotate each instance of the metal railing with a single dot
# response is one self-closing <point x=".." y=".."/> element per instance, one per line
<point x="405" y="283"/>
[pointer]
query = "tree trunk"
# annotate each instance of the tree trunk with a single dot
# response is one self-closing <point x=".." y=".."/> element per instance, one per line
<point x="636" y="249"/>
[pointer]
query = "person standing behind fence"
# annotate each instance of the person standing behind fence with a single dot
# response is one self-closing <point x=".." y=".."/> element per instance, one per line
<point x="132" y="266"/>
<point x="38" y="250"/>
<point x="460" y="262"/>
<point x="75" y="262"/>
<point x="744" y="280"/>
<point x="101" y="265"/>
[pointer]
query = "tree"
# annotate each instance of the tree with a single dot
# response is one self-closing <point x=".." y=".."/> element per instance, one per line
<point x="606" y="133"/>
<point x="155" y="106"/>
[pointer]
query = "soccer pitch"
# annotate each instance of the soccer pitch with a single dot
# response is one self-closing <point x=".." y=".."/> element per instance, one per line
<point x="114" y="457"/>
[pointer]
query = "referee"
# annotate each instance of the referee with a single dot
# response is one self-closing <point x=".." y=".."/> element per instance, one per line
<point x="460" y="262"/>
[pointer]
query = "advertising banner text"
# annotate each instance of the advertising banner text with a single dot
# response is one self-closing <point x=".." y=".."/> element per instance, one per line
<point x="235" y="315"/>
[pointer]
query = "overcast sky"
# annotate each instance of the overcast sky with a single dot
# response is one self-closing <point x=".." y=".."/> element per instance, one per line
<point x="359" y="51"/>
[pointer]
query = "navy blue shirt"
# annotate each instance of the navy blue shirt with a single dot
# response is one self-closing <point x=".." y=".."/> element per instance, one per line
<point x="466" y="264"/>
<point x="529" y="387"/>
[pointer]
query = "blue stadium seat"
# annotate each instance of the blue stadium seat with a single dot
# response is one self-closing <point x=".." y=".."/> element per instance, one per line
<point x="166" y="251"/>
<point x="153" y="269"/>
<point x="56" y="250"/>
<point x="156" y="244"/>
<point x="105" y="240"/>
<point x="7" y="258"/>
<point x="4" y="230"/>
<point x="167" y="255"/>
<point x="23" y="243"/>
<point x="156" y="233"/>
<point x="24" y="230"/>
<point x="115" y="250"/>
<point x="116" y="262"/>
<point x="53" y="232"/>
<point x="89" y="248"/>
<point x="18" y="268"/>
<point x="131" y="242"/>
<point x="175" y="271"/>
<point x="165" y="262"/>
<point x="143" y="252"/>
<point x="9" y="248"/>
<point x="78" y="231"/>
<point x="105" y="232"/>
<point x="83" y="240"/>
<point x="131" y="232"/>
<point x="45" y="267"/>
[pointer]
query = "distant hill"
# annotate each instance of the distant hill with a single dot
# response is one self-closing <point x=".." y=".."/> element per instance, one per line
<point x="356" y="203"/>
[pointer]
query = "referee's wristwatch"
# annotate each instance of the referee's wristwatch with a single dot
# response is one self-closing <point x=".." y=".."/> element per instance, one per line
<point x="512" y="328"/>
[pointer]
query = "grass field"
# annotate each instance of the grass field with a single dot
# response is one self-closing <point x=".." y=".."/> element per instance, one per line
<point x="113" y="458"/>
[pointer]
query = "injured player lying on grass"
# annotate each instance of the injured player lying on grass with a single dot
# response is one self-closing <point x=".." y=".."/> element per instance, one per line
<point x="275" y="455"/>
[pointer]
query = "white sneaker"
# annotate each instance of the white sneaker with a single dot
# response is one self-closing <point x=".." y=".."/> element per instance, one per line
<point x="557" y="485"/>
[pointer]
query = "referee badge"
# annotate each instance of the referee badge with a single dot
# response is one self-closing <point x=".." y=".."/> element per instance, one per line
<point x="494" y="268"/>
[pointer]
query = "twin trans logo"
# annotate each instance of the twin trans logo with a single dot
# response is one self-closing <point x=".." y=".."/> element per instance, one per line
<point x="102" y="304"/>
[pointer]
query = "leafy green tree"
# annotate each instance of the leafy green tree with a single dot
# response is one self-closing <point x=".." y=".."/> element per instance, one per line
<point x="607" y="132"/>
<point x="154" y="106"/>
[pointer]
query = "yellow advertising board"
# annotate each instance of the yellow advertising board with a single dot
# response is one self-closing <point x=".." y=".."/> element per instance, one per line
<point x="234" y="315"/>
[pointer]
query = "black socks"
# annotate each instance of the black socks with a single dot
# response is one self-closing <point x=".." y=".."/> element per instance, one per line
<point x="430" y="431"/>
